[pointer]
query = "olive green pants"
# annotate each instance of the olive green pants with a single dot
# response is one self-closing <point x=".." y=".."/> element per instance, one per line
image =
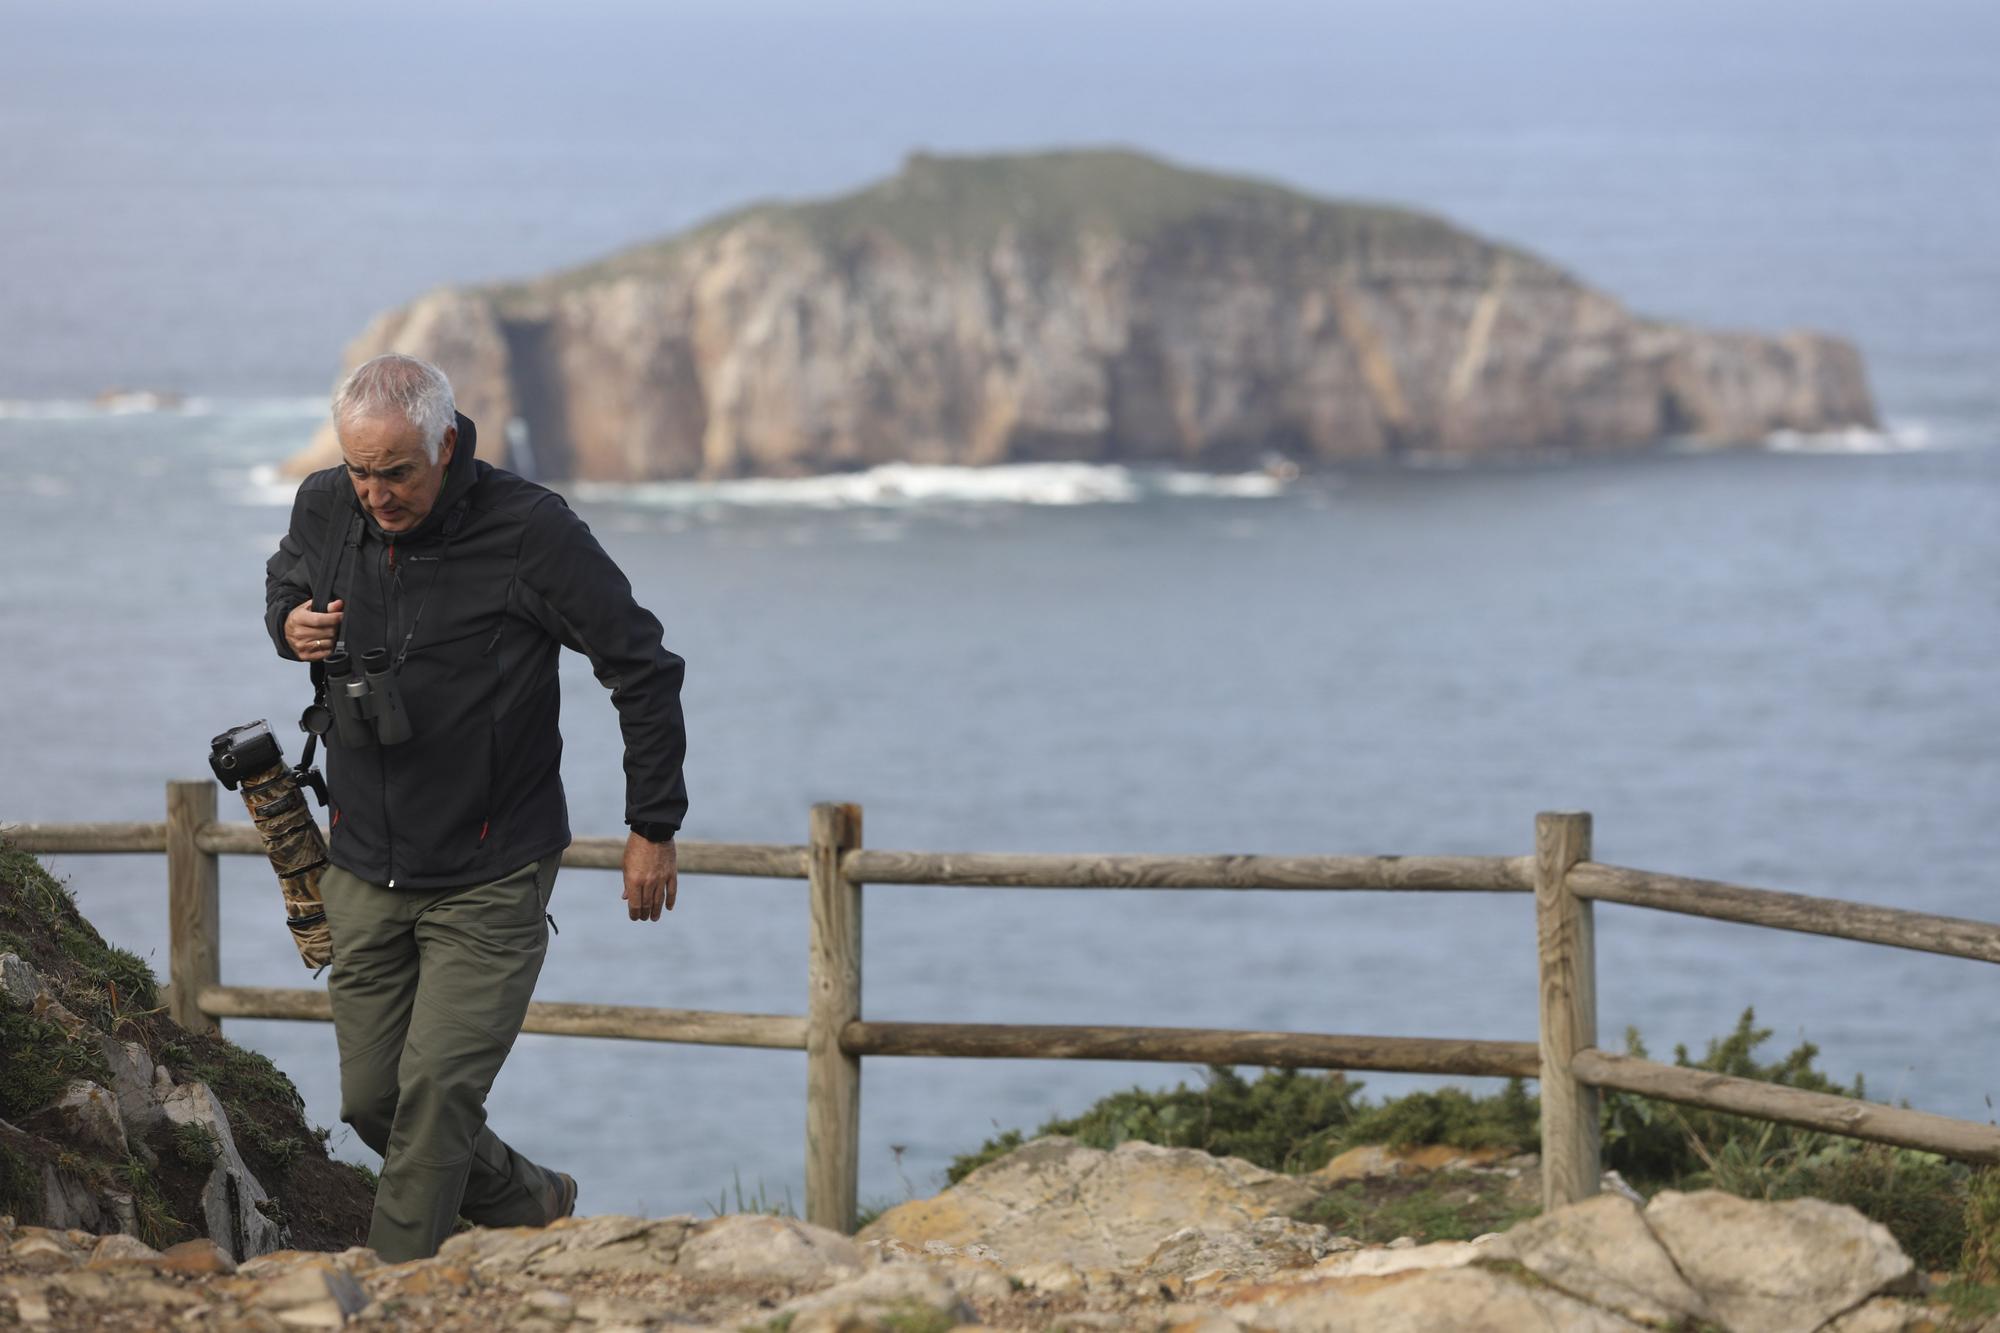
<point x="429" y="989"/>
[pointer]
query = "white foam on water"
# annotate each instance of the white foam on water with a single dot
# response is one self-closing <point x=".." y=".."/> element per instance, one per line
<point x="1900" y="438"/>
<point x="1233" y="486"/>
<point x="148" y="403"/>
<point x="909" y="485"/>
<point x="263" y="486"/>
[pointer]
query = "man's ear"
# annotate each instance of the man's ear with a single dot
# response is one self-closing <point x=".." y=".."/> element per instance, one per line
<point x="450" y="443"/>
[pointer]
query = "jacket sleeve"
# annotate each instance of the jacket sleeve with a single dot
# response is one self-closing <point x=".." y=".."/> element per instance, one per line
<point x="562" y="563"/>
<point x="288" y="573"/>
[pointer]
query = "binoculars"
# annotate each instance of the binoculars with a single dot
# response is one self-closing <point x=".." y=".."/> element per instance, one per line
<point x="367" y="706"/>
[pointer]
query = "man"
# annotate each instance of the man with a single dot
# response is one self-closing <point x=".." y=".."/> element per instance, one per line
<point x="444" y="845"/>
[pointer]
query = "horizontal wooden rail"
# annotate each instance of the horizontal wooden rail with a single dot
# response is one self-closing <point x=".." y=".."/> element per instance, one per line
<point x="56" y="839"/>
<point x="696" y="1027"/>
<point x="758" y="860"/>
<point x="1966" y="1140"/>
<point x="1954" y="936"/>
<point x="1200" y="1046"/>
<point x="229" y="839"/>
<point x="752" y="859"/>
<point x="1035" y="870"/>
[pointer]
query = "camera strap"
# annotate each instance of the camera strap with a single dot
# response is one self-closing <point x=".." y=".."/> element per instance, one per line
<point x="326" y="575"/>
<point x="453" y="521"/>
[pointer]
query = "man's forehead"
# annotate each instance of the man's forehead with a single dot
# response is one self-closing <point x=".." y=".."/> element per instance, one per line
<point x="381" y="441"/>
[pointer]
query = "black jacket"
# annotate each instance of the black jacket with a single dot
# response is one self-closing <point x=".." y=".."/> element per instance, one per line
<point x="486" y="589"/>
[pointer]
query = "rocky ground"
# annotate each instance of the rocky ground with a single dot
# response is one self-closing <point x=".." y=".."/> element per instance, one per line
<point x="1053" y="1236"/>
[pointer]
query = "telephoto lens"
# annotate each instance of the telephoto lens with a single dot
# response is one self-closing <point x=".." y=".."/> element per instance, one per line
<point x="346" y="694"/>
<point x="392" y="724"/>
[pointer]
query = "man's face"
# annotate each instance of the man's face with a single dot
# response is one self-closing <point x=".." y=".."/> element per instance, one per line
<point x="393" y="476"/>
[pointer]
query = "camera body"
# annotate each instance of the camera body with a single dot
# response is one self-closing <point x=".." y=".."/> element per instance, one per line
<point x="250" y="760"/>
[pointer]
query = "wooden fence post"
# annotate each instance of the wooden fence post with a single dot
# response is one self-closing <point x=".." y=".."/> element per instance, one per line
<point x="1571" y="1166"/>
<point x="833" y="1000"/>
<point x="194" y="916"/>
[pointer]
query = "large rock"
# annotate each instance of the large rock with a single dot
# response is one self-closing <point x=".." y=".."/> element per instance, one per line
<point x="1776" y="1267"/>
<point x="1057" y="1200"/>
<point x="1602" y="1251"/>
<point x="20" y="982"/>
<point x="771" y="1249"/>
<point x="136" y="1083"/>
<point x="1463" y="1300"/>
<point x="1099" y="306"/>
<point x="230" y="1198"/>
<point x="1266" y="1247"/>
<point x="892" y="1296"/>
<point x="90" y="1118"/>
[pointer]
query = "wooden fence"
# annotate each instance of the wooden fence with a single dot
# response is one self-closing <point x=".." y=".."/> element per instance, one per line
<point x="1560" y="874"/>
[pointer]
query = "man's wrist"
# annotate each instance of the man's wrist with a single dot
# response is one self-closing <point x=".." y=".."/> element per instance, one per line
<point x="653" y="832"/>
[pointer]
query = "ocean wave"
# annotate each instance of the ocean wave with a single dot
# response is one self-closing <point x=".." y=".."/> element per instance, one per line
<point x="909" y="485"/>
<point x="263" y="486"/>
<point x="1893" y="439"/>
<point x="146" y="404"/>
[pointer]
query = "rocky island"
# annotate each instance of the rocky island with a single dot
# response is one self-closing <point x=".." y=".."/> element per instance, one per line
<point x="1099" y="306"/>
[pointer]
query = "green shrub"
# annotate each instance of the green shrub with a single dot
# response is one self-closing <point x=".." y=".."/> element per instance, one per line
<point x="1660" y="1144"/>
<point x="1285" y="1120"/>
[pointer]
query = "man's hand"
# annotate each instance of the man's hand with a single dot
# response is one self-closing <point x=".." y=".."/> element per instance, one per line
<point x="652" y="875"/>
<point x="311" y="633"/>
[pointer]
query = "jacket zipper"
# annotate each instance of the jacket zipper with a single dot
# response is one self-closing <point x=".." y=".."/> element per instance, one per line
<point x="392" y="605"/>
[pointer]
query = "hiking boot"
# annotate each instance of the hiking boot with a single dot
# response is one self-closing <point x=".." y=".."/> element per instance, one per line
<point x="562" y="1202"/>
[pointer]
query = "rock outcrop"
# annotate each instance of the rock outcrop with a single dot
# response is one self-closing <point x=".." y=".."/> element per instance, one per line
<point x="1058" y="1200"/>
<point x="91" y="1123"/>
<point x="1095" y="306"/>
<point x="113" y="1119"/>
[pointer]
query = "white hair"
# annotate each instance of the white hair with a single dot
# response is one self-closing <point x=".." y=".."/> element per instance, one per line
<point x="415" y="390"/>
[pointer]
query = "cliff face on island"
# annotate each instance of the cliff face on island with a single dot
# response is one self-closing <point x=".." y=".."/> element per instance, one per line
<point x="1098" y="306"/>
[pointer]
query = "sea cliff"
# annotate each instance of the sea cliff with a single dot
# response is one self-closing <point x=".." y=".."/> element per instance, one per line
<point x="1098" y="306"/>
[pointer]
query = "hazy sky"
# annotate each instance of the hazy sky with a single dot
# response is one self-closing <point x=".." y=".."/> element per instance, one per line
<point x="218" y="194"/>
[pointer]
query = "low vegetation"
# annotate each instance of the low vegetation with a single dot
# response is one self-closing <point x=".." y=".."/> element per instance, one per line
<point x="1945" y="1214"/>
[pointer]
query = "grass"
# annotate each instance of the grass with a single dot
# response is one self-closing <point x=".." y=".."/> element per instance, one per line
<point x="1448" y="1205"/>
<point x="158" y="1226"/>
<point x="39" y="921"/>
<point x="757" y="1202"/>
<point x="1981" y="1261"/>
<point x="195" y="1146"/>
<point x="910" y="1317"/>
<point x="41" y="1061"/>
